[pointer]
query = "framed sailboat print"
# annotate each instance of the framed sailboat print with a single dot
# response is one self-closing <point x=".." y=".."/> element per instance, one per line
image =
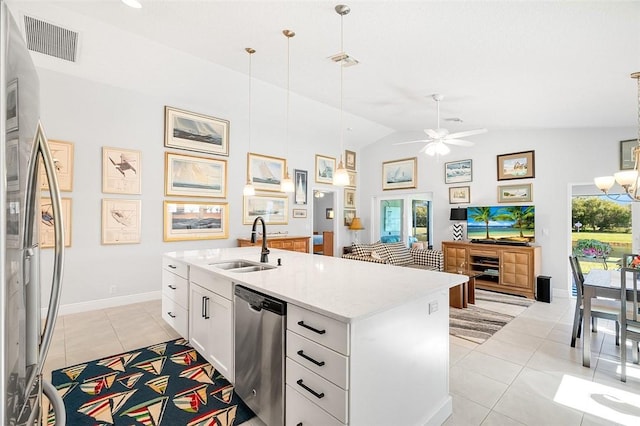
<point x="399" y="174"/>
<point x="265" y="172"/>
<point x="195" y="132"/>
<point x="300" y="195"/>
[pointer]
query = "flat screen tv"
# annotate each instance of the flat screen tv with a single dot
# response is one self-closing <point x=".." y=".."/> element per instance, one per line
<point x="501" y="224"/>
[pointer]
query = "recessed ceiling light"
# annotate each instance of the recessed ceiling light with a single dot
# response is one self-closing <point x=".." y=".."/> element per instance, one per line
<point x="133" y="3"/>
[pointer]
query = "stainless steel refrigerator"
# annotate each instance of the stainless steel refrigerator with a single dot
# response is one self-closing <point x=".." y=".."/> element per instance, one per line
<point x="24" y="338"/>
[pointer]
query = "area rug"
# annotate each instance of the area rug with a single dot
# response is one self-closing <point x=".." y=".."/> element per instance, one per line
<point x="167" y="384"/>
<point x="491" y="312"/>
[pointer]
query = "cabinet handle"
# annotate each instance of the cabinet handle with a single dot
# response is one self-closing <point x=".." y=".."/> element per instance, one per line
<point x="202" y="307"/>
<point x="172" y="287"/>
<point x="308" y="358"/>
<point x="171" y="315"/>
<point x="315" y="330"/>
<point x="206" y="308"/>
<point x="299" y="424"/>
<point x="172" y="266"/>
<point x="311" y="391"/>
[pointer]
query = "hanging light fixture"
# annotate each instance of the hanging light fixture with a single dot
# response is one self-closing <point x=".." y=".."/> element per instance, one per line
<point x="249" y="189"/>
<point x="629" y="180"/>
<point x="287" y="183"/>
<point x="340" y="176"/>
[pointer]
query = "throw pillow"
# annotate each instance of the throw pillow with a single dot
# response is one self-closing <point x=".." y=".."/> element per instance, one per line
<point x="399" y="254"/>
<point x="381" y="249"/>
<point x="361" y="249"/>
<point x="376" y="255"/>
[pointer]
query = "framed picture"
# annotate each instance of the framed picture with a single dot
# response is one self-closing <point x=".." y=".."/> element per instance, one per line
<point x="195" y="132"/>
<point x="328" y="213"/>
<point x="457" y="171"/>
<point x="399" y="174"/>
<point x="348" y="216"/>
<point x="265" y="172"/>
<point x="300" y="195"/>
<point x="459" y="195"/>
<point x="121" y="221"/>
<point x="519" y="165"/>
<point x="186" y="221"/>
<point x="192" y="176"/>
<point x="515" y="193"/>
<point x="299" y="213"/>
<point x="352" y="179"/>
<point x="12" y="106"/>
<point x="349" y="198"/>
<point x="121" y="171"/>
<point x="627" y="159"/>
<point x="273" y="209"/>
<point x="325" y="166"/>
<point x="349" y="160"/>
<point x="47" y="221"/>
<point x="62" y="153"/>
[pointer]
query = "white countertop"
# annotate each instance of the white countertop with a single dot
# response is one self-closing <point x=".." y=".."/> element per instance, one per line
<point x="344" y="289"/>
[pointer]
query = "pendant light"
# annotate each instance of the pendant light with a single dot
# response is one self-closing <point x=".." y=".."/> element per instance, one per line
<point x="340" y="176"/>
<point x="249" y="189"/>
<point x="287" y="183"/>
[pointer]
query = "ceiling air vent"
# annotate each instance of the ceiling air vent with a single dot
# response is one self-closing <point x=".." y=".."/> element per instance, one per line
<point x="50" y="39"/>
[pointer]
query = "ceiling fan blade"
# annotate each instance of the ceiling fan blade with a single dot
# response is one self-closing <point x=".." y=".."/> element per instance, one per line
<point x="458" y="142"/>
<point x="433" y="134"/>
<point x="467" y="133"/>
<point x="404" y="143"/>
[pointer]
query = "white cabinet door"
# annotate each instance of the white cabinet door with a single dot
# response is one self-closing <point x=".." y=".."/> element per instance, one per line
<point x="211" y="325"/>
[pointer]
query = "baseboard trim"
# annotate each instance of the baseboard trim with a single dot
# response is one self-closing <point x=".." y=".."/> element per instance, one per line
<point x="92" y="305"/>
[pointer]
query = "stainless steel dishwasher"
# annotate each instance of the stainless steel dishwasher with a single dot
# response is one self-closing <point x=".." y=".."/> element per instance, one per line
<point x="260" y="353"/>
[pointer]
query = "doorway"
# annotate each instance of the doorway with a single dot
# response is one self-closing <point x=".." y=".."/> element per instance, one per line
<point x="325" y="217"/>
<point x="405" y="218"/>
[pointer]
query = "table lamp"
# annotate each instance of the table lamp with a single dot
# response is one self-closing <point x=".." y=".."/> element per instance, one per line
<point x="356" y="225"/>
<point x="458" y="215"/>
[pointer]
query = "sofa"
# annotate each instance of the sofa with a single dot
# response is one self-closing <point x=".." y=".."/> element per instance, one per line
<point x="397" y="254"/>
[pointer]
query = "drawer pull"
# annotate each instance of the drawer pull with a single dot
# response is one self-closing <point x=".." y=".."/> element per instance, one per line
<point x="311" y="391"/>
<point x="172" y="266"/>
<point x="315" y="330"/>
<point x="299" y="424"/>
<point x="172" y="287"/>
<point x="206" y="308"/>
<point x="171" y="315"/>
<point x="308" y="358"/>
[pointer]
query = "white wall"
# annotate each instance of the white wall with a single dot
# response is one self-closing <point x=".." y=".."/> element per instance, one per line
<point x="562" y="157"/>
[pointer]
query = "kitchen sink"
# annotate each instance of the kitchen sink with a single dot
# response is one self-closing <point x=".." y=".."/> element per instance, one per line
<point x="241" y="265"/>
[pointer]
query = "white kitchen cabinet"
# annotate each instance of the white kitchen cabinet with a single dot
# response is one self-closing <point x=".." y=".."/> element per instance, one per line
<point x="211" y="322"/>
<point x="175" y="295"/>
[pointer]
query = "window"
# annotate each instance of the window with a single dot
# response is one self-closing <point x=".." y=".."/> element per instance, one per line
<point x="406" y="218"/>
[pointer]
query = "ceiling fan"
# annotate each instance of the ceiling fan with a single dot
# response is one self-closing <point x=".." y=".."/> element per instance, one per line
<point x="439" y="138"/>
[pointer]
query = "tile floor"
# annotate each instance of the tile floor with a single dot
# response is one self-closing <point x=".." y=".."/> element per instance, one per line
<point x="525" y="374"/>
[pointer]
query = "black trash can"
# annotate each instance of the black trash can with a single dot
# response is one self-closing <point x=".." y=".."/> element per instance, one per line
<point x="543" y="290"/>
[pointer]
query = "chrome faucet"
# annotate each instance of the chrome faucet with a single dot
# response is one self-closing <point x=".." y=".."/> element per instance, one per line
<point x="265" y="251"/>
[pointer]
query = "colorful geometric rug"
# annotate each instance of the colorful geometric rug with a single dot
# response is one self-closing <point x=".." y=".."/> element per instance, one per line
<point x="491" y="312"/>
<point x="167" y="384"/>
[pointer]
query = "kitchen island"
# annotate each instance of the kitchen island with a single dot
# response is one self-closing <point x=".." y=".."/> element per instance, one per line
<point x="387" y="327"/>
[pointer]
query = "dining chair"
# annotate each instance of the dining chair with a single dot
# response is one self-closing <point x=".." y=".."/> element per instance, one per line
<point x="605" y="309"/>
<point x="629" y="318"/>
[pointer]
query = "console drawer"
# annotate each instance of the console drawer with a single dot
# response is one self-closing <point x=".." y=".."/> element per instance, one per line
<point x="319" y="328"/>
<point x="334" y="366"/>
<point x="178" y="268"/>
<point x="175" y="287"/>
<point x="176" y="316"/>
<point x="301" y="411"/>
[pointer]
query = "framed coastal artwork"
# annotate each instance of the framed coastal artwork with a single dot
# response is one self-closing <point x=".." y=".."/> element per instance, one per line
<point x="194" y="176"/>
<point x="47" y="222"/>
<point x="515" y="193"/>
<point x="325" y="166"/>
<point x="195" y="132"/>
<point x="349" y="198"/>
<point x="299" y="213"/>
<point x="273" y="209"/>
<point x="348" y="215"/>
<point x="399" y="174"/>
<point x="457" y="171"/>
<point x="460" y="195"/>
<point x="627" y="159"/>
<point x="265" y="172"/>
<point x="349" y="160"/>
<point x="121" y="171"/>
<point x="62" y="154"/>
<point x="187" y="221"/>
<point x="518" y="165"/>
<point x="352" y="178"/>
<point x="300" y="181"/>
<point x="121" y="221"/>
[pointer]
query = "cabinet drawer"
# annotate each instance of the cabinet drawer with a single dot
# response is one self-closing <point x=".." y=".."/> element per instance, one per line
<point x="301" y="411"/>
<point x="318" y="390"/>
<point x="212" y="282"/>
<point x="319" y="328"/>
<point x="487" y="253"/>
<point x="178" y="268"/>
<point x="334" y="366"/>
<point x="176" y="316"/>
<point x="175" y="287"/>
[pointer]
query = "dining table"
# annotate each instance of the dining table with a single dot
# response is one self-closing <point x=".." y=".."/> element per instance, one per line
<point x="598" y="283"/>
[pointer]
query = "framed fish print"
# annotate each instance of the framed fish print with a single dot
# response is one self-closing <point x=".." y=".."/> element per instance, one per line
<point x="195" y="132"/>
<point x="121" y="171"/>
<point x="192" y="176"/>
<point x="121" y="221"/>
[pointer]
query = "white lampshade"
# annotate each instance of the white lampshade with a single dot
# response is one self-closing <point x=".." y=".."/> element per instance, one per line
<point x="287" y="183"/>
<point x="249" y="190"/>
<point x="340" y="176"/>
<point x="133" y="3"/>
<point x="604" y="183"/>
<point x="627" y="177"/>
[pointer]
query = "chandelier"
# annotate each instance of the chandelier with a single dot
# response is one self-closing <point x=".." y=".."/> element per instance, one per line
<point x="627" y="179"/>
